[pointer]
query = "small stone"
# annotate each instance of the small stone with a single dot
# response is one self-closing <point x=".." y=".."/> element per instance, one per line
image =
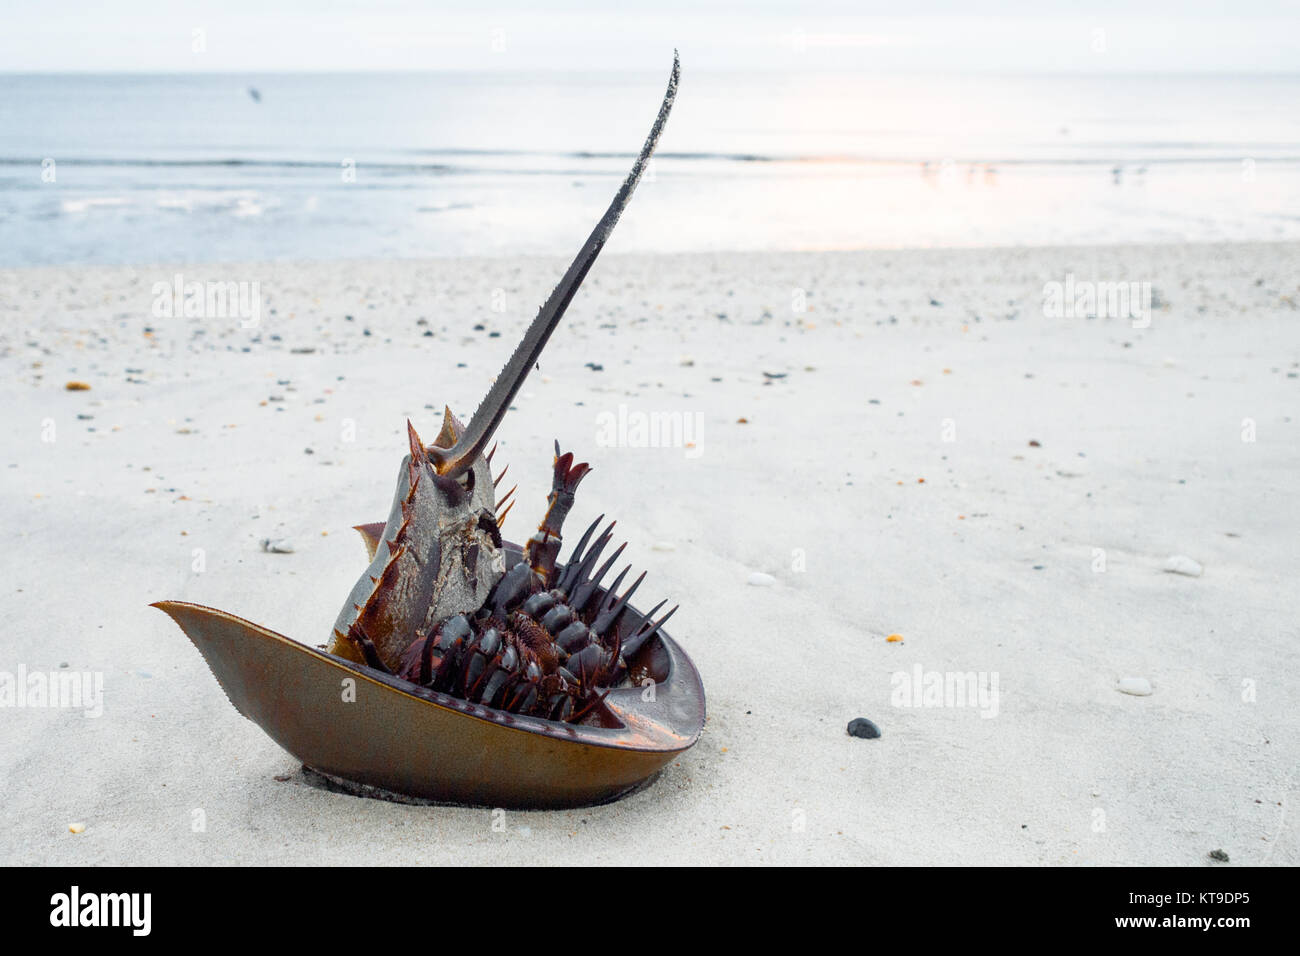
<point x="277" y="545"/>
<point x="77" y="387"/>
<point x="1137" y="686"/>
<point x="1182" y="564"/>
<point x="1218" y="856"/>
<point x="81" y="827"/>
<point x="760" y="580"/>
<point x="861" y="727"/>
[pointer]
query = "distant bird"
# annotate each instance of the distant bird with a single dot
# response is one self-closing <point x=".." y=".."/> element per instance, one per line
<point x="255" y="94"/>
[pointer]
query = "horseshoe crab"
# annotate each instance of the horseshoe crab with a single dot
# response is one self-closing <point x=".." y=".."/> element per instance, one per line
<point x="464" y="668"/>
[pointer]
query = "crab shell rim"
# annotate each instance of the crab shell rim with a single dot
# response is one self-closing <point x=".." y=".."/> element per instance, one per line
<point x="403" y="739"/>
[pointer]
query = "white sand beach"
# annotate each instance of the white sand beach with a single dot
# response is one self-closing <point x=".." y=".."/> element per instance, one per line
<point x="928" y="455"/>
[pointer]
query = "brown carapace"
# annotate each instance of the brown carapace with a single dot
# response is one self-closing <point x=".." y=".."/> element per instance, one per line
<point x="437" y="606"/>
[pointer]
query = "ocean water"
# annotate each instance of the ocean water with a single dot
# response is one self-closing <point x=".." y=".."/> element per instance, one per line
<point x="186" y="168"/>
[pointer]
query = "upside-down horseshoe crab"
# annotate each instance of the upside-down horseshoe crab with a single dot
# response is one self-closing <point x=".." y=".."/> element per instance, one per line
<point x="481" y="672"/>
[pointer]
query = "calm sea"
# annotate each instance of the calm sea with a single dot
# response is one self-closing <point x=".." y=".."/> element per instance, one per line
<point x="137" y="169"/>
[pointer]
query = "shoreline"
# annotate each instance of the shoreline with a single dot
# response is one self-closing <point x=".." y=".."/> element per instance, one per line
<point x="614" y="254"/>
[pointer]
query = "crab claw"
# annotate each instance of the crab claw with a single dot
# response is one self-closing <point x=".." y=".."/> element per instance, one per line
<point x="543" y="548"/>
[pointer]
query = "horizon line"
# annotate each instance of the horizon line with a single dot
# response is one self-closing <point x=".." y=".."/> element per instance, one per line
<point x="632" y="70"/>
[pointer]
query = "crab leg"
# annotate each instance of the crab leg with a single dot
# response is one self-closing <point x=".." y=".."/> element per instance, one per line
<point x="543" y="547"/>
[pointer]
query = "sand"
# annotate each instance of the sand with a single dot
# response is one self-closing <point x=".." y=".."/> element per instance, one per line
<point x="937" y="460"/>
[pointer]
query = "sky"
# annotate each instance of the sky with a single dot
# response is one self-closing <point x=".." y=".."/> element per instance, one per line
<point x="723" y="35"/>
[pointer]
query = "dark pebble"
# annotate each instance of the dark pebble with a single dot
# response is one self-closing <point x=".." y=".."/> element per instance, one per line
<point x="1218" y="856"/>
<point x="861" y="727"/>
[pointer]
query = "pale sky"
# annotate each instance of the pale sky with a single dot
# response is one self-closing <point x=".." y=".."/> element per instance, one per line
<point x="724" y="35"/>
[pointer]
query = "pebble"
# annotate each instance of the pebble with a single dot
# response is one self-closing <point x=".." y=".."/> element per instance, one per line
<point x="1218" y="856"/>
<point x="1137" y="686"/>
<point x="861" y="727"/>
<point x="1182" y="564"/>
<point x="76" y="827"/>
<point x="277" y="545"/>
<point x="760" y="580"/>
